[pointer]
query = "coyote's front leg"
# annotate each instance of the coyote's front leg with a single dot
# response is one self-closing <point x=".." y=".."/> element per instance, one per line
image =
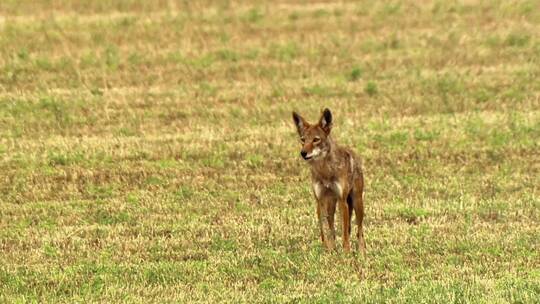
<point x="326" y="208"/>
<point x="346" y="222"/>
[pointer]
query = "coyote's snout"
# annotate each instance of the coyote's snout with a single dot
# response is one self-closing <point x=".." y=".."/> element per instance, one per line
<point x="337" y="179"/>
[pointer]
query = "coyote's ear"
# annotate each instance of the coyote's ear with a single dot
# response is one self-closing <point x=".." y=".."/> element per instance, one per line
<point x="299" y="122"/>
<point x="326" y="121"/>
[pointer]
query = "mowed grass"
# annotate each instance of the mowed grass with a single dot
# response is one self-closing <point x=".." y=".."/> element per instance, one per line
<point x="148" y="154"/>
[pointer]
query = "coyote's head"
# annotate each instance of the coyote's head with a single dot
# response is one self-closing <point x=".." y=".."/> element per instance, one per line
<point x="314" y="137"/>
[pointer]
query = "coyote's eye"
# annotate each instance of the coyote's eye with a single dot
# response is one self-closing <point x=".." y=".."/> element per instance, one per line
<point x="302" y="139"/>
<point x="316" y="139"/>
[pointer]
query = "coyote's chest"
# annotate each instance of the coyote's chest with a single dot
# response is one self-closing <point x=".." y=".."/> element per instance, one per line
<point x="331" y="177"/>
<point x="333" y="186"/>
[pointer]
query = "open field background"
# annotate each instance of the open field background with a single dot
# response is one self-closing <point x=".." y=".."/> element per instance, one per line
<point x="147" y="152"/>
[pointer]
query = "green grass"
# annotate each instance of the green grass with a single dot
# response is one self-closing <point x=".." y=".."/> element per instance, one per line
<point x="148" y="153"/>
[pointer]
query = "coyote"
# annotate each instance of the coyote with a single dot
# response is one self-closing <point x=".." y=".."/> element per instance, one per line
<point x="337" y="179"/>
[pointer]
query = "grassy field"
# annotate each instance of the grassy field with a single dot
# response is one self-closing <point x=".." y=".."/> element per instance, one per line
<point x="147" y="151"/>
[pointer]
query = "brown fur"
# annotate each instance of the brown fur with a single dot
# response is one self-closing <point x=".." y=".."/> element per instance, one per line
<point x="337" y="179"/>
